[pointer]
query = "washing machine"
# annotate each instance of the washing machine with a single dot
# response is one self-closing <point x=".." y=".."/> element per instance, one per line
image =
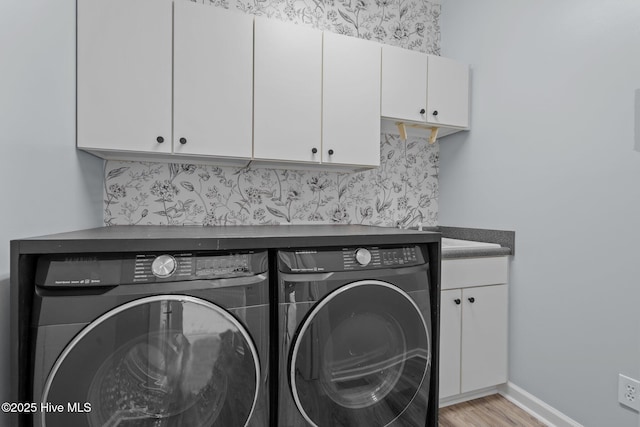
<point x="355" y="344"/>
<point x="168" y="339"/>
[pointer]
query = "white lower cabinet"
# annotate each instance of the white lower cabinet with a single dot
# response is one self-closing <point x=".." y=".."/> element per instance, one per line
<point x="473" y="337"/>
<point x="450" y="332"/>
<point x="484" y="337"/>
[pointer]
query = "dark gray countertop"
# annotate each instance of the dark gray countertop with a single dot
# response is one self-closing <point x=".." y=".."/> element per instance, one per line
<point x="474" y="253"/>
<point x="505" y="238"/>
<point x="149" y="238"/>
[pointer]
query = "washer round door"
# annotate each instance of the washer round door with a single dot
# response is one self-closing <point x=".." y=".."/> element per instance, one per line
<point x="168" y="360"/>
<point x="360" y="356"/>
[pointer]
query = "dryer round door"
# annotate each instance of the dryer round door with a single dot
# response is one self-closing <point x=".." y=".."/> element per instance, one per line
<point x="167" y="360"/>
<point x="360" y="356"/>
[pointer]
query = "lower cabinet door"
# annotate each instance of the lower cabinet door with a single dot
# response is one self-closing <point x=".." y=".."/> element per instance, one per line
<point x="450" y="326"/>
<point x="484" y="337"/>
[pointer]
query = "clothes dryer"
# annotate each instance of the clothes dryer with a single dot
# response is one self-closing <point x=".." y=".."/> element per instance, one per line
<point x="354" y="337"/>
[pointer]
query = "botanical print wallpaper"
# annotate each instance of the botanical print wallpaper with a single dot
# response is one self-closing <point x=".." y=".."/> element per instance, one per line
<point x="412" y="24"/>
<point x="403" y="191"/>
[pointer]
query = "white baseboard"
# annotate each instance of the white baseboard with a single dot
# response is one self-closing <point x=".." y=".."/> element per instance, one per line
<point x="459" y="398"/>
<point x="536" y="407"/>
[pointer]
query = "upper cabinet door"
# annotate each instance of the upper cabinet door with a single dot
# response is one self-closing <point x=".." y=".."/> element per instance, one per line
<point x="350" y="101"/>
<point x="287" y="91"/>
<point x="124" y="75"/>
<point x="213" y="81"/>
<point x="404" y="84"/>
<point x="448" y="93"/>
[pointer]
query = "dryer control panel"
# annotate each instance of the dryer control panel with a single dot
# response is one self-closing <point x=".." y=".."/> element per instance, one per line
<point x="349" y="259"/>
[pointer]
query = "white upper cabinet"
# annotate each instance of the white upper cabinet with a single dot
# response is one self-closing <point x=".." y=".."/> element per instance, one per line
<point x="164" y="79"/>
<point x="350" y="101"/>
<point x="212" y="81"/>
<point x="124" y="75"/>
<point x="404" y="84"/>
<point x="425" y="89"/>
<point x="287" y="92"/>
<point x="448" y="92"/>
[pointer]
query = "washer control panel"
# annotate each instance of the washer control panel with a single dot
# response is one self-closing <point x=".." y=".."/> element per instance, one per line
<point x="188" y="266"/>
<point x="110" y="269"/>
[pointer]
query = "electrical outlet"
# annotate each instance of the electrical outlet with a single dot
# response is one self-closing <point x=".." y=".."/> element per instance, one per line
<point x="629" y="392"/>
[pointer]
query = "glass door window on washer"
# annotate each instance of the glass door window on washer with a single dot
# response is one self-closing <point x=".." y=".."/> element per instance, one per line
<point x="168" y="360"/>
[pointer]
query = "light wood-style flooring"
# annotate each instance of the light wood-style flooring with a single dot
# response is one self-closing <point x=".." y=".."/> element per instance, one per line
<point x="490" y="411"/>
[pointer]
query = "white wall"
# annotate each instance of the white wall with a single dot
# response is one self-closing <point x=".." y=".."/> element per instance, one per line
<point x="47" y="186"/>
<point x="551" y="156"/>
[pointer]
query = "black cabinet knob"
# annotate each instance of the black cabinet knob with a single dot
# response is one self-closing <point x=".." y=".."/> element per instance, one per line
<point x="330" y="152"/>
<point x="422" y="111"/>
<point x="457" y="301"/>
<point x="435" y="112"/>
<point x="472" y="300"/>
<point x="183" y="141"/>
<point x="160" y="140"/>
<point x="314" y="150"/>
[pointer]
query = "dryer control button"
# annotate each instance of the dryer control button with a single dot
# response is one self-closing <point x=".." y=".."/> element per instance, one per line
<point x="164" y="266"/>
<point x="363" y="256"/>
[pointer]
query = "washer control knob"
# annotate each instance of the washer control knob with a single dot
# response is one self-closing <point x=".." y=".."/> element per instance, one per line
<point x="163" y="266"/>
<point x="363" y="256"/>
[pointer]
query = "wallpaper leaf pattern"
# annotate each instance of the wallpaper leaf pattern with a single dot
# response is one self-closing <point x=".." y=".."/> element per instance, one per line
<point x="412" y="24"/>
<point x="403" y="191"/>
